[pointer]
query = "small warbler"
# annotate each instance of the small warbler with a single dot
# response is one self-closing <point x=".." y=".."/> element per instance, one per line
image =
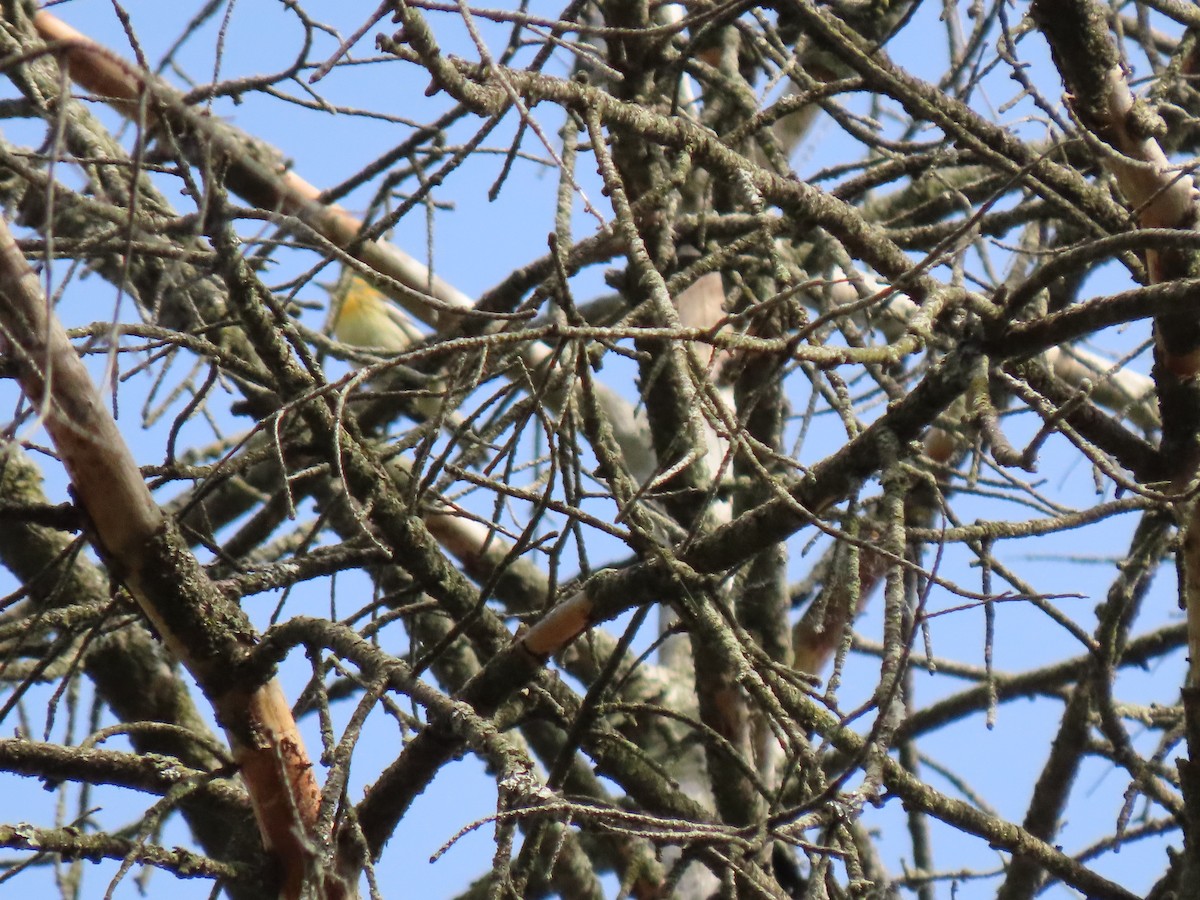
<point x="364" y="317"/>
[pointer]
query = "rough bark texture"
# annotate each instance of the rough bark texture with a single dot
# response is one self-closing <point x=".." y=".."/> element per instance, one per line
<point x="680" y="558"/>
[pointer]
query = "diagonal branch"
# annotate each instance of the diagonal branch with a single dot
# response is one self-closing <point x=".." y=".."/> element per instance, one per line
<point x="202" y="627"/>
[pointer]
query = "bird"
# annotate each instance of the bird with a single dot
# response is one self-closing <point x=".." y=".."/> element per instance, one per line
<point x="363" y="317"/>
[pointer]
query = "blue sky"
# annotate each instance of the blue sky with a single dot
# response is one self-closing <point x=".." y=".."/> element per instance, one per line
<point x="473" y="243"/>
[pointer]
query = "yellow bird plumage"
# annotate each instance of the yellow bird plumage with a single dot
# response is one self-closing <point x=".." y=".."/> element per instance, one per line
<point x="364" y="317"/>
